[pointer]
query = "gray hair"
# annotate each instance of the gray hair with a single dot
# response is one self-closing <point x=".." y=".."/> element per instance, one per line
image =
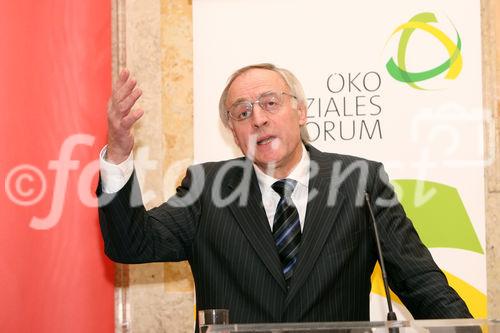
<point x="291" y="81"/>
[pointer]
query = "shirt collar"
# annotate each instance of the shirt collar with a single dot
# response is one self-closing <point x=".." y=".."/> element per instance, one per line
<point x="300" y="173"/>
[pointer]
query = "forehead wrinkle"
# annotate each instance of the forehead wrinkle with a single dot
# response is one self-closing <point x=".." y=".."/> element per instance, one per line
<point x="245" y="100"/>
<point x="258" y="85"/>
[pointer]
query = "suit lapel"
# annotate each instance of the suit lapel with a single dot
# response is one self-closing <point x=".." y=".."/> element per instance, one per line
<point x="320" y="217"/>
<point x="252" y="219"/>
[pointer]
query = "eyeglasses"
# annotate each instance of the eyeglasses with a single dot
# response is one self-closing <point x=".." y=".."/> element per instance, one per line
<point x="270" y="102"/>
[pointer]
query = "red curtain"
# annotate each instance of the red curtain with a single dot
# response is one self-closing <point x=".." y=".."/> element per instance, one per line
<point x="55" y="65"/>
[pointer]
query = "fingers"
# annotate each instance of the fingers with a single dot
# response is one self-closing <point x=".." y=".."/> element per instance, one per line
<point x="124" y="74"/>
<point x="122" y="79"/>
<point x="128" y="102"/>
<point x="124" y="86"/>
<point x="128" y="121"/>
<point x="124" y="95"/>
<point x="124" y="90"/>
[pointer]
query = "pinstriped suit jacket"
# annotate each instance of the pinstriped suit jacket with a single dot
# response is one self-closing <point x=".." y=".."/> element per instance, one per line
<point x="234" y="261"/>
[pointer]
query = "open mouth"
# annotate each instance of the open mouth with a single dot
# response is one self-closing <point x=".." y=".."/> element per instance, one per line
<point x="265" y="140"/>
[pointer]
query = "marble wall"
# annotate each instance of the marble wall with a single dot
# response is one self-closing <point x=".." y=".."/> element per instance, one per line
<point x="154" y="39"/>
<point x="493" y="172"/>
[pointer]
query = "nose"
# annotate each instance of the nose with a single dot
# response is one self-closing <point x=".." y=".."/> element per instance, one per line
<point x="259" y="116"/>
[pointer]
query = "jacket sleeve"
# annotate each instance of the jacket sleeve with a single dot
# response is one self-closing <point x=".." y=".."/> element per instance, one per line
<point x="412" y="273"/>
<point x="133" y="234"/>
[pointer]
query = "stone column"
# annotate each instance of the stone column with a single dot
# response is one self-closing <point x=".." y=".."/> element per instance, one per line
<point x="153" y="39"/>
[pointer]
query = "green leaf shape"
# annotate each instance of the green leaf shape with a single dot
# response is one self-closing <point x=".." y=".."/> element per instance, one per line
<point x="438" y="214"/>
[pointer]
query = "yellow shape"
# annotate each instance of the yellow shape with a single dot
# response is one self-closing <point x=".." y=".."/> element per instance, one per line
<point x="475" y="299"/>
<point x="378" y="285"/>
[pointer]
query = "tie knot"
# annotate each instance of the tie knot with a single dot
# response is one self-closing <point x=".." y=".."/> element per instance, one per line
<point x="284" y="187"/>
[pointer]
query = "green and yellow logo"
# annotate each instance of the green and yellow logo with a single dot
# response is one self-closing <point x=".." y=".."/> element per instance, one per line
<point x="424" y="22"/>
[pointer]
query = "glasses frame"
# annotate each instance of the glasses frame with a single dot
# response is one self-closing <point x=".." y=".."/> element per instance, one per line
<point x="258" y="101"/>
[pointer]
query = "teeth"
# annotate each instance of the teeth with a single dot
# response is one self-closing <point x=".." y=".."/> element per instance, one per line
<point x="263" y="142"/>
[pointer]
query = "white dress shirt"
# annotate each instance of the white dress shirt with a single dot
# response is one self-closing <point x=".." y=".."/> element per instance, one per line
<point x="299" y="195"/>
<point x="115" y="176"/>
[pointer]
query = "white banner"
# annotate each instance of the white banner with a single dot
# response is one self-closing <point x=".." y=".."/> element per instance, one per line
<point x="393" y="81"/>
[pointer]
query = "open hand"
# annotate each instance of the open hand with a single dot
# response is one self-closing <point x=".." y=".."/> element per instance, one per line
<point x="121" y="117"/>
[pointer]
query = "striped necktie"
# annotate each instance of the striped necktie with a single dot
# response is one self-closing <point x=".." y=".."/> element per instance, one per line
<point x="286" y="227"/>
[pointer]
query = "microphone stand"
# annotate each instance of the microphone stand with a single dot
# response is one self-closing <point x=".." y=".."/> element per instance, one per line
<point x="391" y="315"/>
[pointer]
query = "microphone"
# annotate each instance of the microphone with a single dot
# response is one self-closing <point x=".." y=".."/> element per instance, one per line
<point x="391" y="315"/>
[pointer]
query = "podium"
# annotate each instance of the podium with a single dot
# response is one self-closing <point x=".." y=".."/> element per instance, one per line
<point x="410" y="326"/>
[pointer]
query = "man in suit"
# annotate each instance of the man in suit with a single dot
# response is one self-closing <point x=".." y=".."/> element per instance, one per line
<point x="279" y="235"/>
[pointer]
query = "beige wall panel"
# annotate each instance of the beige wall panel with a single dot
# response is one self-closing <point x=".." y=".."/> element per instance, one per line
<point x="490" y="57"/>
<point x="177" y="102"/>
<point x="177" y="99"/>
<point x="493" y="200"/>
<point x="495" y="8"/>
<point x="493" y="251"/>
<point x="146" y="297"/>
<point x="492" y="38"/>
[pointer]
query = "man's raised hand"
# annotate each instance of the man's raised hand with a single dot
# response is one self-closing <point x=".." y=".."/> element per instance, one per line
<point x="121" y="117"/>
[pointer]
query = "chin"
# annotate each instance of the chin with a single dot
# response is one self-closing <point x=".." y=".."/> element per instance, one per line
<point x="266" y="161"/>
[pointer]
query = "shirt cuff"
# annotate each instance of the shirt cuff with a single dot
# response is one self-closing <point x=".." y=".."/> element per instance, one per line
<point x="114" y="176"/>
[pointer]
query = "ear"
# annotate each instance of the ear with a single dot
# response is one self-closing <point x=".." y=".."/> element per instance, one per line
<point x="302" y="113"/>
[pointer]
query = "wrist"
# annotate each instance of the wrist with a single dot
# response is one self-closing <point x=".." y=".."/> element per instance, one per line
<point x="114" y="157"/>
